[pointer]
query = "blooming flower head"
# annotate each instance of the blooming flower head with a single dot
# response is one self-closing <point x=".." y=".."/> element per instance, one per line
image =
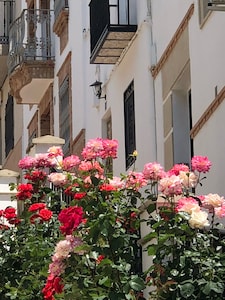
<point x="177" y="168"/>
<point x="70" y="218"/>
<point x="45" y="214"/>
<point x="36" y="207"/>
<point x="99" y="147"/>
<point x="170" y="185"/>
<point x="44" y="161"/>
<point x="107" y="187"/>
<point x="79" y="195"/>
<point x="198" y="219"/>
<point x="91" y="166"/>
<point x="109" y="148"/>
<point x="25" y="191"/>
<point x="36" y="175"/>
<point x="62" y="249"/>
<point x="220" y="211"/>
<point x="70" y="162"/>
<point x="187" y="205"/>
<point x="9" y="212"/>
<point x="55" y="151"/>
<point x="93" y="149"/>
<point x="213" y="200"/>
<point x="57" y="267"/>
<point x="58" y="179"/>
<point x="200" y="164"/>
<point x="117" y="182"/>
<point x="153" y="171"/>
<point x="53" y="286"/>
<point x="135" y="180"/>
<point x="27" y="162"/>
<point x="188" y="179"/>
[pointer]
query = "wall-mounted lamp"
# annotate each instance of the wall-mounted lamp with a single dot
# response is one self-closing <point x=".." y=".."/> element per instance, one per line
<point x="97" y="87"/>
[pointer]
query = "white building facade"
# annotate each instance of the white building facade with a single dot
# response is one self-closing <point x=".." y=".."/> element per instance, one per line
<point x="162" y="68"/>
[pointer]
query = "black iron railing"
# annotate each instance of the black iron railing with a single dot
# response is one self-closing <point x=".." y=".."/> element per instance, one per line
<point x="6" y="18"/>
<point x="60" y="5"/>
<point x="30" y="37"/>
<point x="106" y="13"/>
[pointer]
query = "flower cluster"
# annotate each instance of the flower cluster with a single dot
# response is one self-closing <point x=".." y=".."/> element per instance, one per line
<point x="8" y="216"/>
<point x="87" y="224"/>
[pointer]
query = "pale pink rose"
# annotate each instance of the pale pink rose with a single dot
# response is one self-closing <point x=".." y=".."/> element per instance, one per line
<point x="200" y="164"/>
<point x="58" y="179"/>
<point x="135" y="180"/>
<point x="27" y="162"/>
<point x="220" y="211"/>
<point x="188" y="179"/>
<point x="153" y="171"/>
<point x="93" y="149"/>
<point x="177" y="168"/>
<point x="70" y="162"/>
<point x="187" y="205"/>
<point x="55" y="151"/>
<point x="87" y="166"/>
<point x="62" y="249"/>
<point x="44" y="161"/>
<point x="57" y="267"/>
<point x="198" y="219"/>
<point x="213" y="200"/>
<point x="109" y="148"/>
<point x="170" y="186"/>
<point x="117" y="182"/>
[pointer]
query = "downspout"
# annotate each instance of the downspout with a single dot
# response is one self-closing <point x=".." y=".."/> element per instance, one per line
<point x="153" y="62"/>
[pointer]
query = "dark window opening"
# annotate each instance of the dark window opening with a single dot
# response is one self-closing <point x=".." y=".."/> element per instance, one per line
<point x="129" y="125"/>
<point x="9" y="125"/>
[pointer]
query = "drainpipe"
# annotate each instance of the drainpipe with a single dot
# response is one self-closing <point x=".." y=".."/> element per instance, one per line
<point x="153" y="62"/>
<point x="39" y="123"/>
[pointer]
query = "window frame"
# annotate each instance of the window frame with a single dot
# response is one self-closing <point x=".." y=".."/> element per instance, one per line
<point x="129" y="125"/>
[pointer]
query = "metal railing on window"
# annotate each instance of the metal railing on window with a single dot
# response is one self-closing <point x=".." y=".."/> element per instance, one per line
<point x="30" y="37"/>
<point x="6" y="18"/>
<point x="104" y="13"/>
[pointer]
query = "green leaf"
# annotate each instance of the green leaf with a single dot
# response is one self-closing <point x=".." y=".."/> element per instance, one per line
<point x="186" y="289"/>
<point x="217" y="287"/>
<point x="152" y="249"/>
<point x="151" y="208"/>
<point x="137" y="284"/>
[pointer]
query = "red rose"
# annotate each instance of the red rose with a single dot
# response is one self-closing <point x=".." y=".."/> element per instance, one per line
<point x="70" y="218"/>
<point x="37" y="206"/>
<point x="45" y="214"/>
<point x="9" y="213"/>
<point x="79" y="196"/>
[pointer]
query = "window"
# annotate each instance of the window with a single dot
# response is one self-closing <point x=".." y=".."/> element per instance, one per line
<point x="203" y="11"/>
<point x="9" y="125"/>
<point x="107" y="133"/>
<point x="64" y="115"/>
<point x="129" y="124"/>
<point x="178" y="146"/>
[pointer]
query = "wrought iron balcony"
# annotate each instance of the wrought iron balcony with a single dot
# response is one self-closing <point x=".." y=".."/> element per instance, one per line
<point x="113" y="23"/>
<point x="6" y="18"/>
<point x="61" y="12"/>
<point x="31" y="55"/>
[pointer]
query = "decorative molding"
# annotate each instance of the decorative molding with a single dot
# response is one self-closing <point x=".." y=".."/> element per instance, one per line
<point x="27" y="71"/>
<point x="79" y="143"/>
<point x="61" y="22"/>
<point x="208" y="113"/>
<point x="156" y="69"/>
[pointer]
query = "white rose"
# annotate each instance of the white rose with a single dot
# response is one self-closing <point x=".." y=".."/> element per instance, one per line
<point x="198" y="219"/>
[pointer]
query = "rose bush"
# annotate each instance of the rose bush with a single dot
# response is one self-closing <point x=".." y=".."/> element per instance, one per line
<point x="79" y="234"/>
